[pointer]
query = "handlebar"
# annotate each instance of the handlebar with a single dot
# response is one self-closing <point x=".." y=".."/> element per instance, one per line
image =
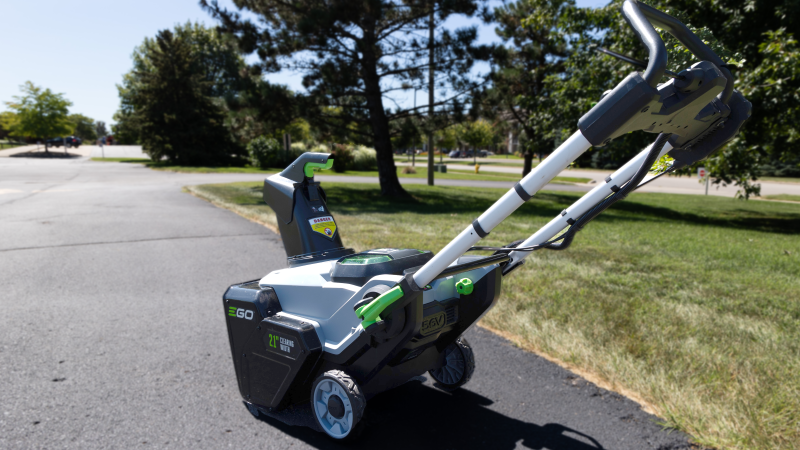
<point x="642" y="18"/>
<point x="657" y="61"/>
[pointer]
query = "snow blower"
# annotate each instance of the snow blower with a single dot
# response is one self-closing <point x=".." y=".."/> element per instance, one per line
<point x="337" y="327"/>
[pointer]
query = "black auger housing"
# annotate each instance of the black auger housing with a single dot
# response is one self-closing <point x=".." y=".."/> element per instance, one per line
<point x="299" y="201"/>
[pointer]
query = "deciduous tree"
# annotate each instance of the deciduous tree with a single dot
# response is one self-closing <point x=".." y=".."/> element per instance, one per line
<point x="83" y="127"/>
<point x="40" y="113"/>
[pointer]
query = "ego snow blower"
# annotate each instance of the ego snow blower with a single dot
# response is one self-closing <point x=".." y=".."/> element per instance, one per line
<point x="337" y="327"/>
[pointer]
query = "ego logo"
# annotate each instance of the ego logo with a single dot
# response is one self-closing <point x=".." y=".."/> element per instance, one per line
<point x="433" y="323"/>
<point x="240" y="313"/>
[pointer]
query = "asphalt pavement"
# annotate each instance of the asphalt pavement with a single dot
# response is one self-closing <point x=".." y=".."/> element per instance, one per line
<point x="113" y="334"/>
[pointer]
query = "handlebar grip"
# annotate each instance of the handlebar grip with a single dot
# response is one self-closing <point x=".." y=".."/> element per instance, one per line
<point x="643" y="17"/>
<point x="691" y="41"/>
<point x="657" y="61"/>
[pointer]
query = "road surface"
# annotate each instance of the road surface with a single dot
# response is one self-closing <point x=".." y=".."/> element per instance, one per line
<point x="113" y="334"/>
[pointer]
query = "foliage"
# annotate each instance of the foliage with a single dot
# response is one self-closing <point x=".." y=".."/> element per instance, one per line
<point x="100" y="129"/>
<point x="478" y="134"/>
<point x="749" y="33"/>
<point x="535" y="47"/>
<point x="84" y="127"/>
<point x="343" y="157"/>
<point x="265" y="152"/>
<point x="354" y="56"/>
<point x="7" y="121"/>
<point x="127" y="128"/>
<point x="446" y="138"/>
<point x="409" y="135"/>
<point x="40" y="113"/>
<point x="299" y="130"/>
<point x="364" y="158"/>
<point x="171" y="101"/>
<point x="215" y="64"/>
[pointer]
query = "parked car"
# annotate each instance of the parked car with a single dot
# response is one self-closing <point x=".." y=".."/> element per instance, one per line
<point x="70" y="141"/>
<point x="454" y="154"/>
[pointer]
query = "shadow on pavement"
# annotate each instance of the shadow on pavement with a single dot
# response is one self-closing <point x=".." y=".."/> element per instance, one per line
<point x="42" y="154"/>
<point x="418" y="416"/>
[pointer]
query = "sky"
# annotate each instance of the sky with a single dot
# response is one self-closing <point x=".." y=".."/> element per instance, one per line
<point x="82" y="48"/>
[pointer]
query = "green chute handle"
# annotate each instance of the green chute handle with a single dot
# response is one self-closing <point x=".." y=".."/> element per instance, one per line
<point x="308" y="168"/>
<point x="370" y="313"/>
<point x="464" y="286"/>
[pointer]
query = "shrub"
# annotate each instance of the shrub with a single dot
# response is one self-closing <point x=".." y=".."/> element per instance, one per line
<point x="265" y="152"/>
<point x="343" y="158"/>
<point x="365" y="158"/>
<point x="298" y="147"/>
<point x="409" y="169"/>
<point x="320" y="148"/>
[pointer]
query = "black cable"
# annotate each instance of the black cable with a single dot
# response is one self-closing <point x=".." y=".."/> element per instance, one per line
<point x="631" y="185"/>
<point x="627" y="188"/>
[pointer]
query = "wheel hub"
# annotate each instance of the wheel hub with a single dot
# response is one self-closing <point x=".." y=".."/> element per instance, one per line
<point x="336" y="406"/>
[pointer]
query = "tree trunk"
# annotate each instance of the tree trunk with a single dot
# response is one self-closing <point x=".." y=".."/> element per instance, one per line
<point x="526" y="168"/>
<point x="430" y="98"/>
<point x="387" y="171"/>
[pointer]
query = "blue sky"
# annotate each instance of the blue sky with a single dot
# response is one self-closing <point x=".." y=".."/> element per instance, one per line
<point x="82" y="48"/>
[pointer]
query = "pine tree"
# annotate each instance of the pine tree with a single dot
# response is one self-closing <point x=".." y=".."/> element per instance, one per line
<point x="179" y="119"/>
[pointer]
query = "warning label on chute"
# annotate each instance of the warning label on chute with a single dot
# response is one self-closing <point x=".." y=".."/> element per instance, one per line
<point x="323" y="225"/>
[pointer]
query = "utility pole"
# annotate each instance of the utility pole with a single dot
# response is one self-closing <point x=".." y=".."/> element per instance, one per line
<point x="430" y="96"/>
<point x="414" y="147"/>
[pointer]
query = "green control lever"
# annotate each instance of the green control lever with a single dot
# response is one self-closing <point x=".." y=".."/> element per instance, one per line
<point x="370" y="313"/>
<point x="303" y="167"/>
<point x="309" y="167"/>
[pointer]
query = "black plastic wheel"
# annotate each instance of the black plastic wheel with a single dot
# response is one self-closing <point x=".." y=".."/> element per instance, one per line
<point x="458" y="368"/>
<point x="338" y="404"/>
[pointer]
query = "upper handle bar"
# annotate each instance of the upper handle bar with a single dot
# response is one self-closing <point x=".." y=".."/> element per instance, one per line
<point x="642" y="18"/>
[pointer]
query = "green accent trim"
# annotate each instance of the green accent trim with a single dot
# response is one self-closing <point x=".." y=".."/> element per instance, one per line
<point x="308" y="169"/>
<point x="464" y="286"/>
<point x="365" y="259"/>
<point x="370" y="313"/>
<point x="232" y="311"/>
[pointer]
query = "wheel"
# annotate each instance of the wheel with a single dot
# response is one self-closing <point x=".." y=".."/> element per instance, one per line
<point x="458" y="368"/>
<point x="338" y="404"/>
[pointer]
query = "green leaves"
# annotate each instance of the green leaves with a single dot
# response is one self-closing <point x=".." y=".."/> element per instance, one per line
<point x="172" y="104"/>
<point x="40" y="113"/>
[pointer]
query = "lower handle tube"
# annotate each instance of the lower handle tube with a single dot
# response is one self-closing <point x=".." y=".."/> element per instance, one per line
<point x="585" y="203"/>
<point x="502" y="208"/>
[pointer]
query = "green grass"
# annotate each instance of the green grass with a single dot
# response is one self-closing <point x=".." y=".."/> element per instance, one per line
<point x="6" y="145"/>
<point x="468" y="161"/>
<point x="780" y="179"/>
<point x="690" y="302"/>
<point x="785" y="197"/>
<point x="124" y="160"/>
<point x="421" y="172"/>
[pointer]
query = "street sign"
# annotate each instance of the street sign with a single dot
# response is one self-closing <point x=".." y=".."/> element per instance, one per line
<point x="702" y="174"/>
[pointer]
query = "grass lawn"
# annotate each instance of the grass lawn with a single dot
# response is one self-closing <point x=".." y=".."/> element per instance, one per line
<point x="468" y="161"/>
<point x="785" y="197"/>
<point x="4" y="145"/>
<point x="421" y="172"/>
<point x="780" y="179"/>
<point x="691" y="303"/>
